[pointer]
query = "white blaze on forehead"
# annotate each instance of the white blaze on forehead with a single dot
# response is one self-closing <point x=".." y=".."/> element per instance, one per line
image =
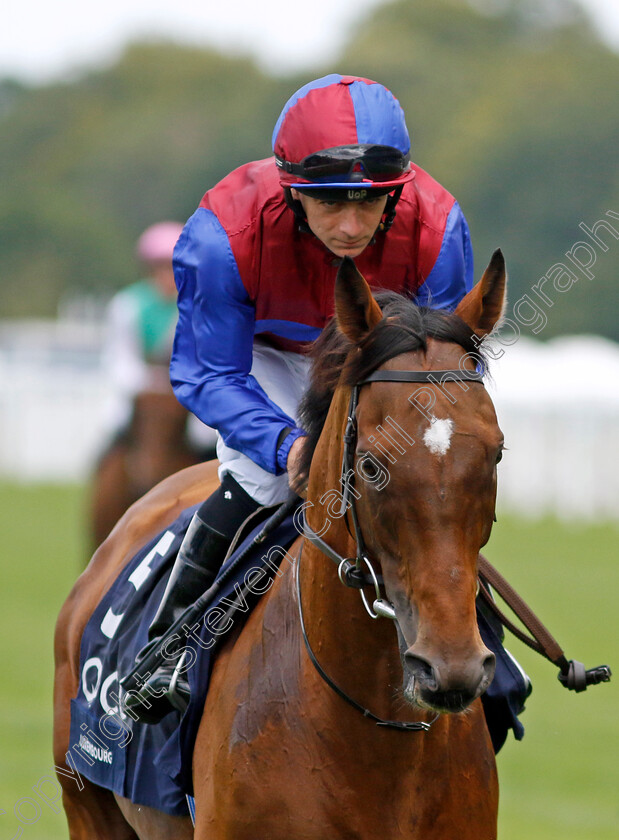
<point x="438" y="437"/>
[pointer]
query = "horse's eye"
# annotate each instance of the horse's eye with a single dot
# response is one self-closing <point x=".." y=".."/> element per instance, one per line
<point x="368" y="467"/>
<point x="499" y="455"/>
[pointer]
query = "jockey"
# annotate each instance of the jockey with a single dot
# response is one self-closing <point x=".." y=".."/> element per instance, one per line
<point x="140" y="325"/>
<point x="255" y="269"/>
<point x="141" y="320"/>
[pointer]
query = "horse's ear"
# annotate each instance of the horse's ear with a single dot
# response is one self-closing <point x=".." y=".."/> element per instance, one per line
<point x="482" y="308"/>
<point x="356" y="310"/>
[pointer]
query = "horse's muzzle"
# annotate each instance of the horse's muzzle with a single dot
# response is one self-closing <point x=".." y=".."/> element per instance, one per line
<point x="433" y="683"/>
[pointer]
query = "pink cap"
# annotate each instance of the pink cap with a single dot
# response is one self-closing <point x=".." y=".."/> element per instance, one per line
<point x="157" y="242"/>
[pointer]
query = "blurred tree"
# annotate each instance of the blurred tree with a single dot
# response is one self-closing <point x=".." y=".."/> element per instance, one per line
<point x="88" y="165"/>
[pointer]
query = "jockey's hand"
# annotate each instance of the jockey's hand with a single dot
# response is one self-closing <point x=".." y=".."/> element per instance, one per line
<point x="296" y="480"/>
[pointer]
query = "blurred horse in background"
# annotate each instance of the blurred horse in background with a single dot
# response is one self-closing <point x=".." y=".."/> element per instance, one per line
<point x="153" y="446"/>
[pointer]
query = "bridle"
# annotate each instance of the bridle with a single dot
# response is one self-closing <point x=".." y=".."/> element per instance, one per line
<point x="358" y="572"/>
<point x="352" y="571"/>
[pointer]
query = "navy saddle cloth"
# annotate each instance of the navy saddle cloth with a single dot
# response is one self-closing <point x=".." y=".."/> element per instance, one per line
<point x="151" y="765"/>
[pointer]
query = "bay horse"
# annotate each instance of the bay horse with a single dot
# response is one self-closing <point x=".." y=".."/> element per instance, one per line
<point x="153" y="446"/>
<point x="279" y="754"/>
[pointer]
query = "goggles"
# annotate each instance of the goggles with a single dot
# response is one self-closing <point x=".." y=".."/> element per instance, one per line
<point x="356" y="162"/>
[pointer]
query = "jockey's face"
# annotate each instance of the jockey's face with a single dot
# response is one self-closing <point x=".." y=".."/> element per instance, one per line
<point x="345" y="227"/>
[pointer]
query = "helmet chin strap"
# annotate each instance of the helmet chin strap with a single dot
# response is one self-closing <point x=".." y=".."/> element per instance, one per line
<point x="388" y="216"/>
<point x="297" y="208"/>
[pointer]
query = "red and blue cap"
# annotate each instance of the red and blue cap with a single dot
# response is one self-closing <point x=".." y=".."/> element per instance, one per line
<point x="342" y="132"/>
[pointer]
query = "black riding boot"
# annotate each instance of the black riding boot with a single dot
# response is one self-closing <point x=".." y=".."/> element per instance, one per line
<point x="199" y="558"/>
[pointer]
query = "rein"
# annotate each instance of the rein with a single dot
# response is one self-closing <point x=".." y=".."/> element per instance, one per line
<point x="572" y="674"/>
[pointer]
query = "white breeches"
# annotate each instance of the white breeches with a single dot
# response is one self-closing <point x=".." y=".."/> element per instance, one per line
<point x="283" y="376"/>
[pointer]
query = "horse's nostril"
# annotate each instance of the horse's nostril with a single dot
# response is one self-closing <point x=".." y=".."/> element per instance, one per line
<point x="422" y="670"/>
<point x="488" y="666"/>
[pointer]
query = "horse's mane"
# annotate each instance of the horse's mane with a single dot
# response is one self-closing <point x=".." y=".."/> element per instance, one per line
<point x="404" y="328"/>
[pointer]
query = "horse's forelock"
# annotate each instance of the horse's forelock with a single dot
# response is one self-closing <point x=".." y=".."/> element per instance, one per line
<point x="404" y="328"/>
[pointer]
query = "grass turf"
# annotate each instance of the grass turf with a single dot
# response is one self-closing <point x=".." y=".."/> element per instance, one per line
<point x="42" y="548"/>
<point x="560" y="782"/>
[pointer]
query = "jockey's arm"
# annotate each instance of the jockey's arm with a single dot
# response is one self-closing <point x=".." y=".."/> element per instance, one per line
<point x="212" y="357"/>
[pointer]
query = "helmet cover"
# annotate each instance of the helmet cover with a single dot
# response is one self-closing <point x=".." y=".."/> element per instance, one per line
<point x="333" y="115"/>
